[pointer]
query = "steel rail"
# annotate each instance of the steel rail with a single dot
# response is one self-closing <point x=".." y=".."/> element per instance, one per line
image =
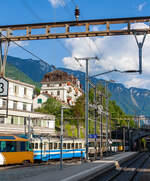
<point x="121" y="171"/>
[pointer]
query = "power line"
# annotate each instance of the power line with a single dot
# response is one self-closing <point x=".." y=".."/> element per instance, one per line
<point x="38" y="18"/>
<point x="67" y="9"/>
<point x="28" y="51"/>
<point x="31" y="10"/>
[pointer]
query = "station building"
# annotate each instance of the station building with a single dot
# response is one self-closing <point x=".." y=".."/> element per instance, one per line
<point x="17" y="115"/>
<point x="58" y="84"/>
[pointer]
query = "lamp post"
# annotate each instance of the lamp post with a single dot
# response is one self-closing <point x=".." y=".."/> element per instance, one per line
<point x="61" y="138"/>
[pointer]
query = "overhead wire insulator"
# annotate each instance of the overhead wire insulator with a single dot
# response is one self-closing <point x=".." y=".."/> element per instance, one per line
<point x="77" y="13"/>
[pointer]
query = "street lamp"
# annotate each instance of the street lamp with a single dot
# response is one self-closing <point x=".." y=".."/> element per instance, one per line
<point x="61" y="138"/>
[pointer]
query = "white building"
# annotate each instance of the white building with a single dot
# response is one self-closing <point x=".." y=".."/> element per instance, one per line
<point x="16" y="112"/>
<point x="62" y="86"/>
<point x="39" y="100"/>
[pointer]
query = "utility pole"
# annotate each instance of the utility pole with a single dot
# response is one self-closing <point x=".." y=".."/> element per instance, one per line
<point x="61" y="140"/>
<point x="3" y="56"/>
<point x="124" y="139"/>
<point x="95" y="119"/>
<point x="101" y="130"/>
<point x="86" y="102"/>
<point x="140" y="46"/>
<point x="95" y="123"/>
<point x="110" y="140"/>
<point x="106" y="92"/>
<point x="29" y="128"/>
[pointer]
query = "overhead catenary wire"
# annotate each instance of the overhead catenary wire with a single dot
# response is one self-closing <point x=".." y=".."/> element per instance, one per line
<point x="67" y="9"/>
<point x="38" y="18"/>
<point x="31" y="10"/>
<point x="28" y="51"/>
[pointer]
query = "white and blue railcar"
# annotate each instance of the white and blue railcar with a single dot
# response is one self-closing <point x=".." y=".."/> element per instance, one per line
<point x="49" y="148"/>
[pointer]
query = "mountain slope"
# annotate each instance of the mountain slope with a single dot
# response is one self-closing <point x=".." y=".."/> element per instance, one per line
<point x="35" y="69"/>
<point x="132" y="101"/>
<point x="13" y="73"/>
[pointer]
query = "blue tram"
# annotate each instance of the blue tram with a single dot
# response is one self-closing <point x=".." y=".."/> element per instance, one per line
<point x="45" y="149"/>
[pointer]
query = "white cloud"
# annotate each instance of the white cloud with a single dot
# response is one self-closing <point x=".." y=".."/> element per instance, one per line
<point x="115" y="52"/>
<point x="21" y="43"/>
<point x="56" y="3"/>
<point x="137" y="82"/>
<point x="141" y="6"/>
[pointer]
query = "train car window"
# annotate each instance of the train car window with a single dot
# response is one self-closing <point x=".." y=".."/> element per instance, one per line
<point x="76" y="145"/>
<point x="10" y="146"/>
<point x="55" y="145"/>
<point x="68" y="146"/>
<point x="32" y="145"/>
<point x="2" y="146"/>
<point x="17" y="146"/>
<point x="59" y="146"/>
<point x="41" y="145"/>
<point x="72" y="145"/>
<point x="22" y="146"/>
<point x="36" y="146"/>
<point x="45" y="145"/>
<point x="91" y="144"/>
<point x="50" y="146"/>
<point x="28" y="146"/>
<point x="64" y="145"/>
<point x="80" y="145"/>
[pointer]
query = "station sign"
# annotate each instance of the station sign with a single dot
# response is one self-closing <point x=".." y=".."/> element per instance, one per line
<point x="3" y="86"/>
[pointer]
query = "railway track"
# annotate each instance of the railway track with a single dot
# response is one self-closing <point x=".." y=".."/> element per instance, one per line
<point x="128" y="171"/>
<point x="66" y="162"/>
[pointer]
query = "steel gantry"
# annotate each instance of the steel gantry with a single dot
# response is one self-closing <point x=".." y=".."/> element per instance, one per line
<point x="71" y="29"/>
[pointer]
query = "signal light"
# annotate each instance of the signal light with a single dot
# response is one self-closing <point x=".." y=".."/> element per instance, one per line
<point x="77" y="13"/>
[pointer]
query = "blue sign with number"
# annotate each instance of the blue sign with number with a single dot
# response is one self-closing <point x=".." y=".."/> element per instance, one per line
<point x="92" y="135"/>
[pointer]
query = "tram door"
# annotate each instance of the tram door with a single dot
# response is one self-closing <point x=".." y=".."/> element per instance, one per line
<point x="44" y="149"/>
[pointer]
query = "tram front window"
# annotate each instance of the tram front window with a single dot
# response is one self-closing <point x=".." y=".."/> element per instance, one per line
<point x="2" y="146"/>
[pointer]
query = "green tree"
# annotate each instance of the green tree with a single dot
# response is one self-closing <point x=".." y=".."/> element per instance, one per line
<point x="78" y="111"/>
<point x="36" y="91"/>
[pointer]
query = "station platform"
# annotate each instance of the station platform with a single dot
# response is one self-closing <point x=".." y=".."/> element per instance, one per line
<point x="81" y="171"/>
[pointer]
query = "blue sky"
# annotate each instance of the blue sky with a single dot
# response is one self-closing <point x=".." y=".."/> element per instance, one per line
<point x="60" y="52"/>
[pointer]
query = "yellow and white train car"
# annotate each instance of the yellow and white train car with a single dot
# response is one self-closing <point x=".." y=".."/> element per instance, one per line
<point x="15" y="150"/>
